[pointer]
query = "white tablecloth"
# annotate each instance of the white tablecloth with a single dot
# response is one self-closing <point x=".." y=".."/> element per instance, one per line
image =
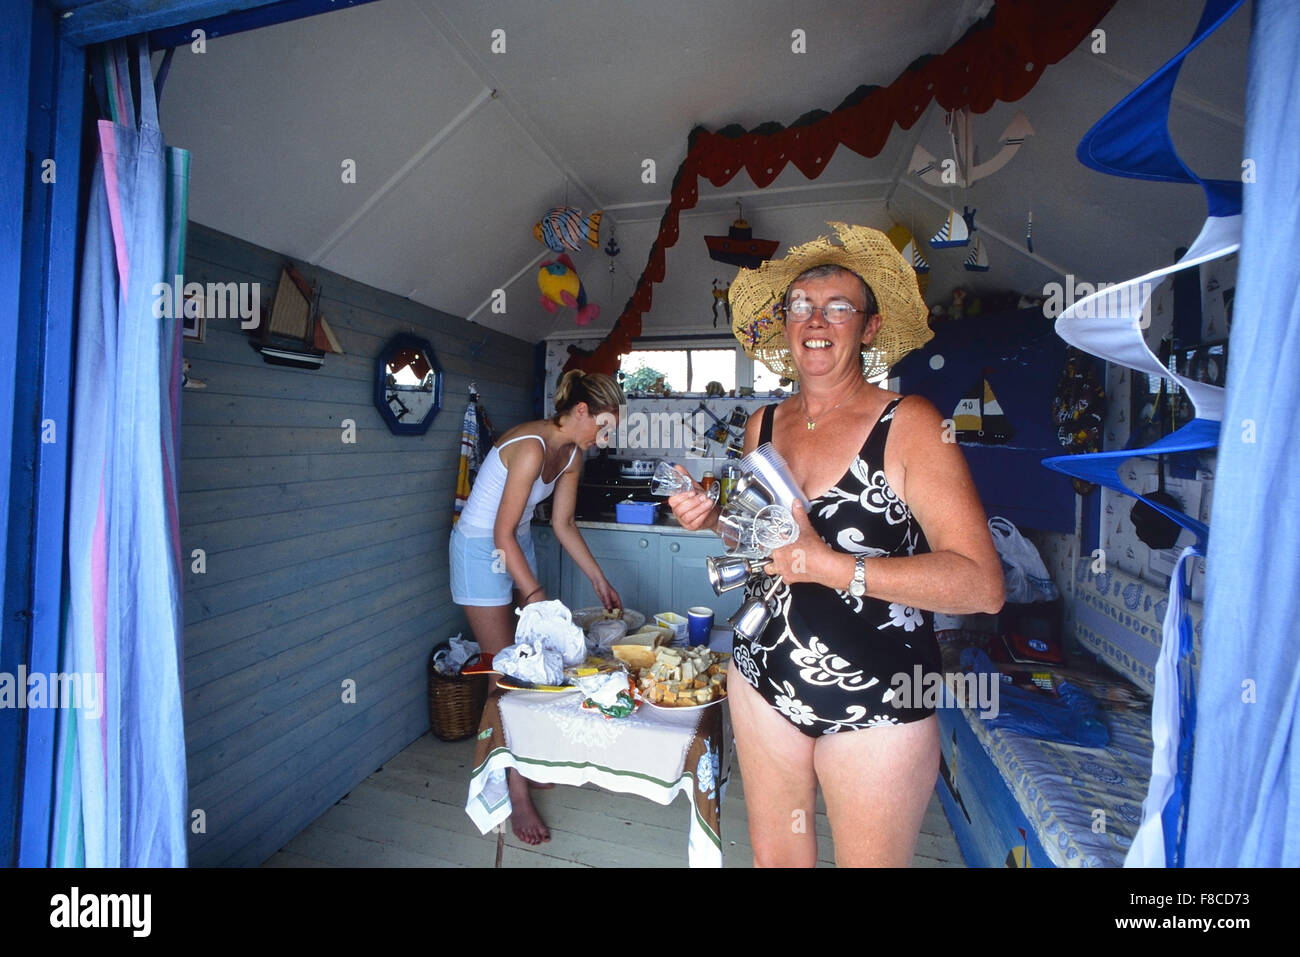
<point x="656" y="753"/>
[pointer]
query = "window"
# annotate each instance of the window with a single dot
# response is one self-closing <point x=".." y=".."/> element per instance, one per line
<point x="690" y="369"/>
<point x="683" y="370"/>
<point x="765" y="380"/>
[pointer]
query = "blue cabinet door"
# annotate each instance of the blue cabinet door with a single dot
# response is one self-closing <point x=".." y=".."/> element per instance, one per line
<point x="630" y="561"/>
<point x="548" y="551"/>
<point x="685" y="577"/>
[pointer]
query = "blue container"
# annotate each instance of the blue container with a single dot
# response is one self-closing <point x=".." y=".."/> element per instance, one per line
<point x="636" y="513"/>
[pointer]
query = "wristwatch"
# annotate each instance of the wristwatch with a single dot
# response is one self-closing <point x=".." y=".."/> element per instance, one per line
<point x="858" y="587"/>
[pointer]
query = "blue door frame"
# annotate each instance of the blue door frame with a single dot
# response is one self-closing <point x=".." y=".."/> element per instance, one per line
<point x="42" y="76"/>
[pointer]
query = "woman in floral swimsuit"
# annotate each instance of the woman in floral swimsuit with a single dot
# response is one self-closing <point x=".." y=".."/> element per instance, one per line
<point x="894" y="532"/>
<point x="811" y="663"/>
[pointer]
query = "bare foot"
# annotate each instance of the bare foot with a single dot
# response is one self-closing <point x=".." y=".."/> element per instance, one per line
<point x="524" y="819"/>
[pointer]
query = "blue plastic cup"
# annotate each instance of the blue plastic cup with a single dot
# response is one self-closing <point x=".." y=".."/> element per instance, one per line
<point x="699" y="624"/>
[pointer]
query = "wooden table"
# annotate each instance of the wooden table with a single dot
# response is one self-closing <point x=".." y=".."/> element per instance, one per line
<point x="657" y="753"/>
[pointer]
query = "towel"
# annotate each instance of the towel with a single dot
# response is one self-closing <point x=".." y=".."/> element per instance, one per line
<point x="469" y="460"/>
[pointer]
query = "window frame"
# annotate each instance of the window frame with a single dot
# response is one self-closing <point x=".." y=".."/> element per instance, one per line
<point x="744" y="364"/>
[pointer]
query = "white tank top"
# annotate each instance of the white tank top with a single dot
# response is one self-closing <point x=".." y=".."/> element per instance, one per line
<point x="480" y="512"/>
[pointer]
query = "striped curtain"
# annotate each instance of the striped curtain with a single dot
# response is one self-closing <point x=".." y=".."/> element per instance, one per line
<point x="1244" y="809"/>
<point x="120" y="775"/>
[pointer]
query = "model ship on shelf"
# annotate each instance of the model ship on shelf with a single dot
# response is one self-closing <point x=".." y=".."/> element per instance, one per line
<point x="294" y="333"/>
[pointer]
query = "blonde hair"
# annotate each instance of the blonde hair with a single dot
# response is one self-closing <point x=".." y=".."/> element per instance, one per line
<point x="599" y="391"/>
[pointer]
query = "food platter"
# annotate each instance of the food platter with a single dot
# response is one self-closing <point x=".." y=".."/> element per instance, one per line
<point x="589" y="667"/>
<point x="484" y="667"/>
<point x="684" y="679"/>
<point x="685" y="707"/>
<point x="584" y="618"/>
<point x="509" y="683"/>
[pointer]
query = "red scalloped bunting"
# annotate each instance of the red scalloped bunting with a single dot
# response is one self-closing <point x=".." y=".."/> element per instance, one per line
<point x="811" y="147"/>
<point x="643" y="297"/>
<point x="668" y="233"/>
<point x="656" y="267"/>
<point x="1001" y="59"/>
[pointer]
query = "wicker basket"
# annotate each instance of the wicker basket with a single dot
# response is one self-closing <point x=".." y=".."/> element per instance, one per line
<point x="455" y="704"/>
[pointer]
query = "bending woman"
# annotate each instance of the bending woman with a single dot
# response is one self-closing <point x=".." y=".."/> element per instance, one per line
<point x="894" y="532"/>
<point x="493" y="566"/>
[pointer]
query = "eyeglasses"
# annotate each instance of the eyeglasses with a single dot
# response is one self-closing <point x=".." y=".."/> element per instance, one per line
<point x="836" y="313"/>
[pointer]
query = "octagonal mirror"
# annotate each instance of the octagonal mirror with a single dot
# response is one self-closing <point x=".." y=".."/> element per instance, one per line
<point x="408" y="385"/>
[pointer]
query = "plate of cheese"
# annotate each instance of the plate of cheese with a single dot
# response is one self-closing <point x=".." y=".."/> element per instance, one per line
<point x="683" y="678"/>
<point x="584" y="618"/>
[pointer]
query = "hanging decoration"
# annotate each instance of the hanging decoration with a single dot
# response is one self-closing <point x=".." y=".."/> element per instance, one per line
<point x="956" y="229"/>
<point x="965" y="168"/>
<point x="978" y="260"/>
<point x="720" y="297"/>
<point x="1008" y="52"/>
<point x="563" y="227"/>
<point x="558" y="280"/>
<point x="911" y="253"/>
<point x="905" y="243"/>
<point x="739" y="247"/>
<point x="1133" y="140"/>
<point x="612" y="251"/>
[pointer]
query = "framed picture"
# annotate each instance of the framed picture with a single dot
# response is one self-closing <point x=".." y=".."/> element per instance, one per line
<point x="1207" y="362"/>
<point x="192" y="318"/>
<point x="1204" y="362"/>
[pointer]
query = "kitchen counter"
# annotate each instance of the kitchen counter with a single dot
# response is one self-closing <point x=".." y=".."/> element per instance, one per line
<point x="660" y="526"/>
<point x="655" y="568"/>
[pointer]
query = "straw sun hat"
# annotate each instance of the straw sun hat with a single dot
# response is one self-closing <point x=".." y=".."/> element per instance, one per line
<point x="757" y="297"/>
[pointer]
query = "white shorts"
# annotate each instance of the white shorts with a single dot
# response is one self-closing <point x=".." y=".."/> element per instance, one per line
<point x="478" y="570"/>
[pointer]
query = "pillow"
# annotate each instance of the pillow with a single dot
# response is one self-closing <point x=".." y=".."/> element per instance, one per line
<point x="1120" y="619"/>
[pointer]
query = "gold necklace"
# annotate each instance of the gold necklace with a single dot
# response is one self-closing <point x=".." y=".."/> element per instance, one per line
<point x="812" y="423"/>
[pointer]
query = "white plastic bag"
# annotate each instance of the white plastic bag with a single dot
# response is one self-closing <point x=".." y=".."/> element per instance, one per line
<point x="530" y="661"/>
<point x="1023" y="570"/>
<point x="450" y="660"/>
<point x="550" y="624"/>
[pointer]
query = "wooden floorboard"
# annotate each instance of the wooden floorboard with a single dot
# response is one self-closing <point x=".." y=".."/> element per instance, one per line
<point x="411" y="813"/>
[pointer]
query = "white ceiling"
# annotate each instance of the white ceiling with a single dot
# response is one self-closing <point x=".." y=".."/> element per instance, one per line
<point x="459" y="150"/>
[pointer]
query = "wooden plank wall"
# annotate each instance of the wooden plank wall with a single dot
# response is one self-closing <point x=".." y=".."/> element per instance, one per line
<point x="325" y="561"/>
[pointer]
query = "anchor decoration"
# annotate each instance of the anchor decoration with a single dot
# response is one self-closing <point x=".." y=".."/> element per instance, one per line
<point x="967" y="168"/>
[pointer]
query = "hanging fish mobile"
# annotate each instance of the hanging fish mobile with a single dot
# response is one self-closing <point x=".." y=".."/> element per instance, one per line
<point x="560" y="286"/>
<point x="564" y="227"/>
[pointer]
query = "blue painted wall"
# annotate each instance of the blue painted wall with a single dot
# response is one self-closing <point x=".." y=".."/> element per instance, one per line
<point x="325" y="561"/>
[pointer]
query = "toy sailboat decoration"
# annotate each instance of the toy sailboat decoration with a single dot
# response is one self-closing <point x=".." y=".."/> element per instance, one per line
<point x="956" y="229"/>
<point x="739" y="247"/>
<point x="978" y="260"/>
<point x="913" y="255"/>
<point x="979" y="418"/>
